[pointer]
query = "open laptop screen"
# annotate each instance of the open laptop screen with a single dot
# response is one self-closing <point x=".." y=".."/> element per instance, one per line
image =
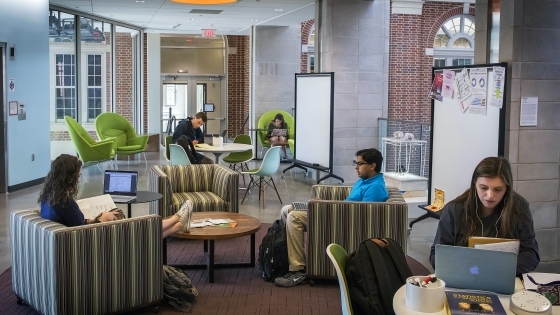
<point x="120" y="183"/>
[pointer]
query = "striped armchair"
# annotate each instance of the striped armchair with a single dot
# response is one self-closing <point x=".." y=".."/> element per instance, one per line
<point x="92" y="269"/>
<point x="210" y="187"/>
<point x="331" y="220"/>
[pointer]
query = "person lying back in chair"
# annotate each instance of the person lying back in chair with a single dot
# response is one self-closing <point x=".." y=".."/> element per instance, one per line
<point x="370" y="187"/>
<point x="190" y="128"/>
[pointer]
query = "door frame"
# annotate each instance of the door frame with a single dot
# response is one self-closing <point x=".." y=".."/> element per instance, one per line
<point x="3" y="128"/>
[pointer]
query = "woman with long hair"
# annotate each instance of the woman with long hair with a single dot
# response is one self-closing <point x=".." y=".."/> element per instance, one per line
<point x="57" y="198"/>
<point x="490" y="208"/>
<point x="278" y="123"/>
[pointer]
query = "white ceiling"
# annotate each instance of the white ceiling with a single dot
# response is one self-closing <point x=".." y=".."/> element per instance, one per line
<point x="161" y="16"/>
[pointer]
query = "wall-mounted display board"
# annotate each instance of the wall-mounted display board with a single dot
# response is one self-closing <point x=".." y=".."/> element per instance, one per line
<point x="463" y="133"/>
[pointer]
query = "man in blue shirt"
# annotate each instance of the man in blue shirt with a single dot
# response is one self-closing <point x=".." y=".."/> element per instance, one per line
<point x="370" y="187"/>
<point x="190" y="128"/>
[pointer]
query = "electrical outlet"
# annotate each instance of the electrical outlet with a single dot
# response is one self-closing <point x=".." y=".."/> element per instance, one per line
<point x="32" y="157"/>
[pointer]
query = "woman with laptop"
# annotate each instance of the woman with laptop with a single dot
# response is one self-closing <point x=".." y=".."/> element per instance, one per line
<point x="490" y="208"/>
<point x="57" y="199"/>
<point x="278" y="130"/>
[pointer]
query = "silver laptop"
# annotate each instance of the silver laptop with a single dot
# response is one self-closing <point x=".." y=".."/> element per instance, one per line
<point x="121" y="185"/>
<point x="476" y="269"/>
<point x="278" y="132"/>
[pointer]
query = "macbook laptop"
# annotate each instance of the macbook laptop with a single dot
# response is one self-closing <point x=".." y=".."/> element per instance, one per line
<point x="278" y="132"/>
<point x="121" y="185"/>
<point x="476" y="269"/>
<point x="299" y="206"/>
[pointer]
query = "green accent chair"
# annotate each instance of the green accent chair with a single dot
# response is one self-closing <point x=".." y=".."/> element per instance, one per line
<point x="339" y="256"/>
<point x="238" y="160"/>
<point x="265" y="119"/>
<point x="177" y="155"/>
<point x="269" y="166"/>
<point x="89" y="150"/>
<point x="113" y="125"/>
<point x="167" y="143"/>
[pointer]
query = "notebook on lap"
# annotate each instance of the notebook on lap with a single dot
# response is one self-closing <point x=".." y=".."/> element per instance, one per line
<point x="476" y="269"/>
<point x="278" y="132"/>
<point x="121" y="185"/>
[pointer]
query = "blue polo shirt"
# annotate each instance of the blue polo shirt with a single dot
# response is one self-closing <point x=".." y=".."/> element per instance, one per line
<point x="69" y="215"/>
<point x="372" y="189"/>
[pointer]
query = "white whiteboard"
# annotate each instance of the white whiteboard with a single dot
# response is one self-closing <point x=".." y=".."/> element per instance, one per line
<point x="461" y="140"/>
<point x="314" y="118"/>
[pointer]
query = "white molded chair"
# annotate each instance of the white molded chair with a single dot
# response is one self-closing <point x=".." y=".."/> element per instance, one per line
<point x="177" y="155"/>
<point x="269" y="166"/>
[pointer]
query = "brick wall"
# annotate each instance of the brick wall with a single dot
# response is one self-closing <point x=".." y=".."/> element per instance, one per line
<point x="410" y="70"/>
<point x="124" y="76"/>
<point x="306" y="28"/>
<point x="238" y="84"/>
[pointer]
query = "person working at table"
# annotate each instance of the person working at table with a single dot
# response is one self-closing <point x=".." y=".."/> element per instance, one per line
<point x="370" y="187"/>
<point x="60" y="190"/>
<point x="490" y="208"/>
<point x="277" y="123"/>
<point x="190" y="128"/>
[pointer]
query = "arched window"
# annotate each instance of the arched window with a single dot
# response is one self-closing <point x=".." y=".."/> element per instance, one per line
<point x="454" y="42"/>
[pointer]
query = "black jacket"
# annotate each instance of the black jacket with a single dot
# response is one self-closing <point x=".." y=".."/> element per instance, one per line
<point x="185" y="128"/>
<point x="451" y="229"/>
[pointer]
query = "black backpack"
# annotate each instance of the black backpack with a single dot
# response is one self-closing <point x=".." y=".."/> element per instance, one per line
<point x="375" y="271"/>
<point x="273" y="252"/>
<point x="187" y="144"/>
<point x="178" y="290"/>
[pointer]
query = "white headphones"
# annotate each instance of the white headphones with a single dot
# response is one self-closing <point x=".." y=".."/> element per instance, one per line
<point x="496" y="225"/>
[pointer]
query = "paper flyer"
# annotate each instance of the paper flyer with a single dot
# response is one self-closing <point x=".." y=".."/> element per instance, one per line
<point x="479" y="85"/>
<point x="447" y="88"/>
<point x="463" y="90"/>
<point x="497" y="95"/>
<point x="435" y="91"/>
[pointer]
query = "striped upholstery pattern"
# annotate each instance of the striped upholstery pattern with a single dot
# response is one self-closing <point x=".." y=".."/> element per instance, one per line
<point x="210" y="187"/>
<point x="332" y="220"/>
<point x="93" y="269"/>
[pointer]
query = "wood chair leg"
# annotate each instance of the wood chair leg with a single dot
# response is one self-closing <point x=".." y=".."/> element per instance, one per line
<point x="248" y="188"/>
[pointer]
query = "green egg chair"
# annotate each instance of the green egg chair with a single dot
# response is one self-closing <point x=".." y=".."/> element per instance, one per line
<point x="262" y="125"/>
<point x="113" y="125"/>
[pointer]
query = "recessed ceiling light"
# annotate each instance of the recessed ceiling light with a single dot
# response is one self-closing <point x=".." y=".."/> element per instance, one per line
<point x="278" y="10"/>
<point x="254" y="20"/>
<point x="140" y="1"/>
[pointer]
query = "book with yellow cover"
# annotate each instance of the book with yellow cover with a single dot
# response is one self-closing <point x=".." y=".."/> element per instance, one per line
<point x="472" y="302"/>
<point x="494" y="243"/>
<point x="439" y="198"/>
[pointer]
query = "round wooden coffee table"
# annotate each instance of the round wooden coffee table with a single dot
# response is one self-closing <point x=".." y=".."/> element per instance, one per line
<point x="246" y="225"/>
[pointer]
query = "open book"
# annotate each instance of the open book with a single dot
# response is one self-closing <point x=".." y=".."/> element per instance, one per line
<point x="93" y="206"/>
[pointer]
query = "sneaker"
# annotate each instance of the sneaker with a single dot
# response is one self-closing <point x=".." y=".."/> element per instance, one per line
<point x="186" y="209"/>
<point x="291" y="279"/>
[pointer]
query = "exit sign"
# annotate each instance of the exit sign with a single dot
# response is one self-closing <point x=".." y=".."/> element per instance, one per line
<point x="208" y="33"/>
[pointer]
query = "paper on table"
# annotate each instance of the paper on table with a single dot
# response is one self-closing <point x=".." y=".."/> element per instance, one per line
<point x="91" y="207"/>
<point x="539" y="277"/>
<point x="219" y="221"/>
<point x="203" y="145"/>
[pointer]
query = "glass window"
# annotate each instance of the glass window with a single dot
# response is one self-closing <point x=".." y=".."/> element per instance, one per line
<point x="461" y="43"/>
<point x="439" y="62"/>
<point x="462" y="62"/>
<point x="65" y="85"/>
<point x="468" y="27"/>
<point x="170" y="92"/>
<point x="453" y="26"/>
<point x="94" y="101"/>
<point x="441" y="39"/>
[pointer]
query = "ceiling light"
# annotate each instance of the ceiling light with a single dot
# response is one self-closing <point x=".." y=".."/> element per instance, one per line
<point x="278" y="10"/>
<point x="204" y="1"/>
<point x="140" y="1"/>
<point x="254" y="20"/>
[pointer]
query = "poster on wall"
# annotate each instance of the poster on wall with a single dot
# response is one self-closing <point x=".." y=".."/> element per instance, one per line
<point x="435" y="91"/>
<point x="463" y="90"/>
<point x="479" y="84"/>
<point x="448" y="78"/>
<point x="497" y="95"/>
<point x="529" y="109"/>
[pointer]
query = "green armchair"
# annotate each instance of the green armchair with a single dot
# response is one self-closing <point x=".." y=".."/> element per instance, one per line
<point x="112" y="125"/>
<point x="266" y="118"/>
<point x="88" y="149"/>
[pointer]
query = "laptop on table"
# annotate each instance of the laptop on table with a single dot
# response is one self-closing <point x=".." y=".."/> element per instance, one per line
<point x="476" y="269"/>
<point x="121" y="185"/>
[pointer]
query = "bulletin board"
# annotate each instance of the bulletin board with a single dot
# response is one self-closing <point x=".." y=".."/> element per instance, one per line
<point x="460" y="138"/>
